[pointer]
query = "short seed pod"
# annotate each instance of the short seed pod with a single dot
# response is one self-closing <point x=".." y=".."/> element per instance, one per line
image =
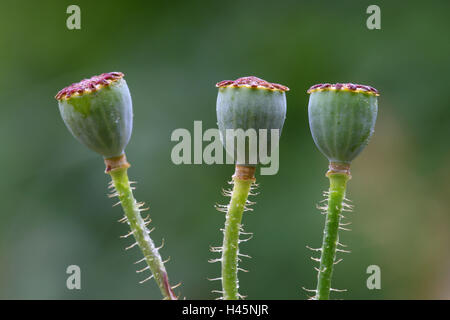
<point x="98" y="112"/>
<point x="249" y="103"/>
<point x="342" y="119"/>
<point x="244" y="106"/>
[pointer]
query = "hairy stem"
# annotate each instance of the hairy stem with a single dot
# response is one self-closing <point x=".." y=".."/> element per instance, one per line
<point x="140" y="232"/>
<point x="243" y="179"/>
<point x="338" y="183"/>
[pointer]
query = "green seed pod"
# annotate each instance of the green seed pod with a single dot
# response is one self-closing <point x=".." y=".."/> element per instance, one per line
<point x="98" y="112"/>
<point x="249" y="103"/>
<point x="342" y="119"/>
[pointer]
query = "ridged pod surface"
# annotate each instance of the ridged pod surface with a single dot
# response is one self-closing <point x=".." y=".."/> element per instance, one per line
<point x="250" y="103"/>
<point x="342" y="119"/>
<point x="98" y="112"/>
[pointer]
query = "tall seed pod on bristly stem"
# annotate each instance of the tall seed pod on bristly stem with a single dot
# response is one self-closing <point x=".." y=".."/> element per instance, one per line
<point x="98" y="112"/>
<point x="244" y="104"/>
<point x="342" y="120"/>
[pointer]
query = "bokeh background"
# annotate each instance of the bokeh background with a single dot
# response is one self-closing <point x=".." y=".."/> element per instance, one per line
<point x="54" y="210"/>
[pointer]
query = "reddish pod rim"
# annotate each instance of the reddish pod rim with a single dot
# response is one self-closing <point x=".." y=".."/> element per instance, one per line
<point x="89" y="85"/>
<point x="360" y="88"/>
<point x="251" y="82"/>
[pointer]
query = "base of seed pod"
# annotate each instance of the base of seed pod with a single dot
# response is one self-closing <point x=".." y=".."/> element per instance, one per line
<point x="138" y="225"/>
<point x="336" y="167"/>
<point x="243" y="172"/>
<point x="243" y="179"/>
<point x="114" y="163"/>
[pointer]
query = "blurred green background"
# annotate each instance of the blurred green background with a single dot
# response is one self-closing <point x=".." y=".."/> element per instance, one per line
<point x="54" y="208"/>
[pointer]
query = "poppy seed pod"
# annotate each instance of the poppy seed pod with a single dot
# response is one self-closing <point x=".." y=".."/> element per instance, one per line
<point x="98" y="112"/>
<point x="249" y="103"/>
<point x="342" y="119"/>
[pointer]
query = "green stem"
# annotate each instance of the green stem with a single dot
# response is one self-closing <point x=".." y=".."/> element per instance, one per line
<point x="230" y="249"/>
<point x="338" y="183"/>
<point x="140" y="232"/>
